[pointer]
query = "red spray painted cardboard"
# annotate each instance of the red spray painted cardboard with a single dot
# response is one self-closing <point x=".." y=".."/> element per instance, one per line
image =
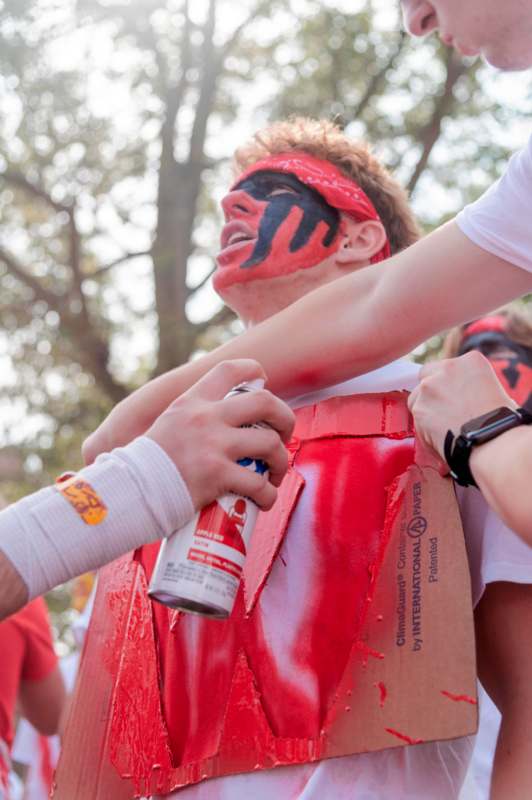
<point x="409" y="675"/>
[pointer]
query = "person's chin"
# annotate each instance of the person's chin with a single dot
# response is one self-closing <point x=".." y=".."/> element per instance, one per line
<point x="243" y="300"/>
<point x="508" y="61"/>
<point x="227" y="276"/>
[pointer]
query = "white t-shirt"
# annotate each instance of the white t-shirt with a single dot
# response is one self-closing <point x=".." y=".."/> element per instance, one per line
<point x="499" y="221"/>
<point x="432" y="771"/>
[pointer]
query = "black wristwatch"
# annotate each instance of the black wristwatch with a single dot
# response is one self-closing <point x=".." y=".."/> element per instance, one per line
<point x="476" y="432"/>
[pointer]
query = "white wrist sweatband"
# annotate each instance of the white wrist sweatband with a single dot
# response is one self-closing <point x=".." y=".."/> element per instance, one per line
<point x="49" y="541"/>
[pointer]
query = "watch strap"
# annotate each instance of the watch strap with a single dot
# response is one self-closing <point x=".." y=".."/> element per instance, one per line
<point x="457" y="450"/>
<point x="525" y="414"/>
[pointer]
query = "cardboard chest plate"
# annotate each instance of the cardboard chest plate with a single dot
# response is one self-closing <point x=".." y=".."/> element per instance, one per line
<point x="410" y="676"/>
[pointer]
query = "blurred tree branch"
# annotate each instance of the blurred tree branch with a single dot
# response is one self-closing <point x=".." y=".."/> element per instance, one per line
<point x="20" y="273"/>
<point x="222" y="317"/>
<point x="203" y="282"/>
<point x="106" y="268"/>
<point x="378" y="78"/>
<point x="16" y="178"/>
<point x="429" y="135"/>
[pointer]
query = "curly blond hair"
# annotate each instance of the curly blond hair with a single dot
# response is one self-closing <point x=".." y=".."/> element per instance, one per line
<point x="323" y="139"/>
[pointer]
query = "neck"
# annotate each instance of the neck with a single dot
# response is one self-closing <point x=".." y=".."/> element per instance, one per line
<point x="262" y="298"/>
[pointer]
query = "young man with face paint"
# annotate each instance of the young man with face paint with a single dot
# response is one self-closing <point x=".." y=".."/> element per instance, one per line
<point x="455" y="391"/>
<point x="307" y="206"/>
<point x="505" y="339"/>
<point x="286" y="236"/>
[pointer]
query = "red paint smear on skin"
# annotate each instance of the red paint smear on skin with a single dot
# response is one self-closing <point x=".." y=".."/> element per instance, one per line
<point x="383" y="692"/>
<point x="404" y="737"/>
<point x="460" y="698"/>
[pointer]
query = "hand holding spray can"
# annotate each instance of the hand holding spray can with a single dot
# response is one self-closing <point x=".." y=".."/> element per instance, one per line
<point x="199" y="567"/>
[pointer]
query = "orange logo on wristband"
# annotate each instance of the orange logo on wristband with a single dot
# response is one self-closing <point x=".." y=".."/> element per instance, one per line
<point x="82" y="497"/>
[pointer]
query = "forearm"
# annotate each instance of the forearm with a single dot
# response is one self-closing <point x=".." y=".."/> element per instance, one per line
<point x="126" y="499"/>
<point x="369" y="317"/>
<point x="42" y="702"/>
<point x="502" y="470"/>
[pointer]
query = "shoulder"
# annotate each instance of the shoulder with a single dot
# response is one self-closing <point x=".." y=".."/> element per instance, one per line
<point x="498" y="221"/>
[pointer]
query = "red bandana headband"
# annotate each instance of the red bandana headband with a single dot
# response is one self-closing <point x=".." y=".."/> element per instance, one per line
<point x="337" y="189"/>
<point x="493" y="324"/>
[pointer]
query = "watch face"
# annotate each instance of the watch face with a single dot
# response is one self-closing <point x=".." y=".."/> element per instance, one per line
<point x="486" y="427"/>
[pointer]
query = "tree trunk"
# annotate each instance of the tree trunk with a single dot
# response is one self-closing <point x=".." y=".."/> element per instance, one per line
<point x="179" y="189"/>
<point x="170" y="254"/>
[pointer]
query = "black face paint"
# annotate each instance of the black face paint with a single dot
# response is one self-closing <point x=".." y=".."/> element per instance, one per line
<point x="489" y="342"/>
<point x="260" y="186"/>
<point x="511" y="361"/>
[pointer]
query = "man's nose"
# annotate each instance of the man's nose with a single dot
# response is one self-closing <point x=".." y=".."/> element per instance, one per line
<point x="420" y="17"/>
<point x="237" y="204"/>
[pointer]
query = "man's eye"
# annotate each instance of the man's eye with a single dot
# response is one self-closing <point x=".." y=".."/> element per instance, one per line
<point x="500" y="352"/>
<point x="282" y="189"/>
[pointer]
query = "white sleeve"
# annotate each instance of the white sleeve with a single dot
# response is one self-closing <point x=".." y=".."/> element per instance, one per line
<point x="499" y="221"/>
<point x="145" y="498"/>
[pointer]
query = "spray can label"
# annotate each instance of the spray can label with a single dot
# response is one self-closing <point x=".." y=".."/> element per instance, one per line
<point x="199" y="568"/>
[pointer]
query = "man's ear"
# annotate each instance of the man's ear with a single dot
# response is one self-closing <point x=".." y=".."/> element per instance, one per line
<point x="359" y="241"/>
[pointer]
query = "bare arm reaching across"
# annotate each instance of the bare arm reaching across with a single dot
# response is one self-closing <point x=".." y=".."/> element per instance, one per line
<point x="347" y="327"/>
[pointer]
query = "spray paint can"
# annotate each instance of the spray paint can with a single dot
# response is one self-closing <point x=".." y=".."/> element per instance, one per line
<point x="199" y="567"/>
